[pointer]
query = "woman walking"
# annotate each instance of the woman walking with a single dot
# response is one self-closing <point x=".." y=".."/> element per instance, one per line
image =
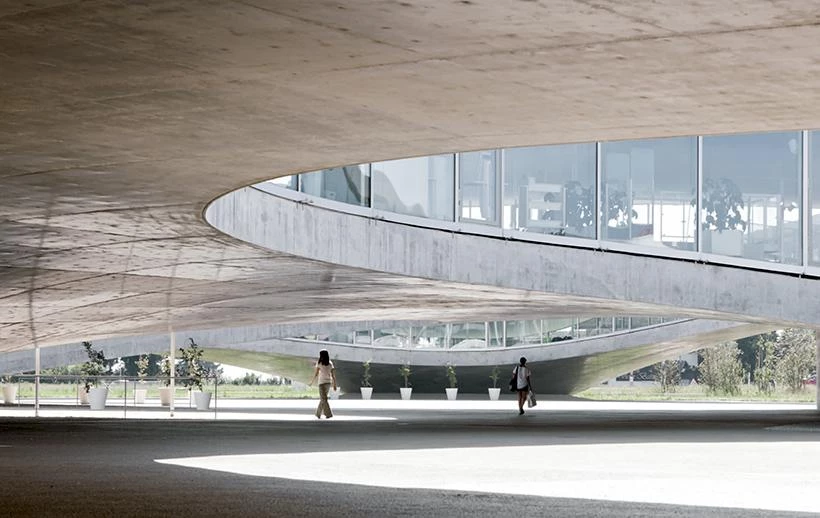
<point x="521" y="375"/>
<point x="327" y="375"/>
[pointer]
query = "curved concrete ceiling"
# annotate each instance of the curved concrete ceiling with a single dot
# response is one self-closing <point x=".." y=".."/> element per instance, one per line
<point x="119" y="122"/>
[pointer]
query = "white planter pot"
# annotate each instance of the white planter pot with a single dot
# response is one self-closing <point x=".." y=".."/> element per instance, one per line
<point x="367" y="392"/>
<point x="452" y="393"/>
<point x="165" y="396"/>
<point x="406" y="392"/>
<point x="202" y="400"/>
<point x="139" y="395"/>
<point x="97" y="397"/>
<point x="494" y="393"/>
<point x="9" y="393"/>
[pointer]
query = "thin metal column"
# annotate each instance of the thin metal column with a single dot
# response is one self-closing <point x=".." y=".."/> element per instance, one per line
<point x="499" y="195"/>
<point x="172" y="365"/>
<point x="456" y="186"/>
<point x="805" y="210"/>
<point x="36" y="380"/>
<point x="598" y="187"/>
<point x="699" y="196"/>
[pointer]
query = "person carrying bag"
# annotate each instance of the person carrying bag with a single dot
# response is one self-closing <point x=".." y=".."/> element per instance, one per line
<point x="521" y="383"/>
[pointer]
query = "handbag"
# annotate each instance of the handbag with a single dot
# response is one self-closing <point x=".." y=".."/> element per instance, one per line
<point x="514" y="381"/>
<point x="531" y="402"/>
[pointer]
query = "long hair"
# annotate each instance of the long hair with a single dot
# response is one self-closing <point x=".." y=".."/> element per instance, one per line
<point x="324" y="357"/>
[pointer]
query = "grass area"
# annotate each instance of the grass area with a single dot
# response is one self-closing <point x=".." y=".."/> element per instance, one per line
<point x="116" y="391"/>
<point x="693" y="393"/>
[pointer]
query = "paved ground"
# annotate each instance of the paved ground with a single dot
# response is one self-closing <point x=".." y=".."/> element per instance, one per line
<point x="417" y="458"/>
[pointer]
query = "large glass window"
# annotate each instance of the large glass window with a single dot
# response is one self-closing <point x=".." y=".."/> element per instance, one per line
<point x="814" y="198"/>
<point x="478" y="181"/>
<point x="648" y="188"/>
<point x="349" y="184"/>
<point x="751" y="202"/>
<point x="468" y="336"/>
<point x="416" y="186"/>
<point x="550" y="189"/>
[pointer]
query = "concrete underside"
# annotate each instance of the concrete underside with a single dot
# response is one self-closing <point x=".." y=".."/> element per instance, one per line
<point x="119" y="122"/>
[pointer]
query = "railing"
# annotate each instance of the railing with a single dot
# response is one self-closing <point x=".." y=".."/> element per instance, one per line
<point x="123" y="392"/>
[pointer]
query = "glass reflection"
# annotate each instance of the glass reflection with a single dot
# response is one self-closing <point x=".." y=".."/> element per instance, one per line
<point x="416" y="186"/>
<point x="647" y="192"/>
<point x="751" y="201"/>
<point x="348" y="184"/>
<point x="550" y="189"/>
<point x="478" y="174"/>
<point x="289" y="182"/>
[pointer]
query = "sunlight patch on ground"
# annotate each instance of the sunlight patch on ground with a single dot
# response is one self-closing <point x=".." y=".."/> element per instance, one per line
<point x="754" y="475"/>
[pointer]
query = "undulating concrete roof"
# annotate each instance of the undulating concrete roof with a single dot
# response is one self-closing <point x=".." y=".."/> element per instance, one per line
<point x="120" y="121"/>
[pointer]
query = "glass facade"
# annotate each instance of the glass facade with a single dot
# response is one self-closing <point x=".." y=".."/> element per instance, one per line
<point x="423" y="187"/>
<point x="648" y="188"/>
<point x="349" y="184"/>
<point x="751" y="196"/>
<point x="489" y="335"/>
<point x="478" y="186"/>
<point x="550" y="189"/>
<point x="646" y="193"/>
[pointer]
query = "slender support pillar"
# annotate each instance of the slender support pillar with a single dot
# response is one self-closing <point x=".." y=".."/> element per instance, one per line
<point x="36" y="381"/>
<point x="171" y="358"/>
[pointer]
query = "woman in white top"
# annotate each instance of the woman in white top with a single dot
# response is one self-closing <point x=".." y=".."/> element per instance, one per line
<point x="327" y="375"/>
<point x="522" y="381"/>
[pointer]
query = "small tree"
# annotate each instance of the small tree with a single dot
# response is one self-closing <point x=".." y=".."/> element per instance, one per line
<point x="668" y="374"/>
<point x="404" y="370"/>
<point x="191" y="368"/>
<point x="721" y="370"/>
<point x="142" y="367"/>
<point x="95" y="366"/>
<point x="795" y="352"/>
<point x="494" y="375"/>
<point x="366" y="374"/>
<point x="165" y="369"/>
<point x="451" y="375"/>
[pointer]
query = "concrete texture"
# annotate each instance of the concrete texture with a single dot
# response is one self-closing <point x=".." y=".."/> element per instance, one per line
<point x="120" y="122"/>
<point x="437" y="458"/>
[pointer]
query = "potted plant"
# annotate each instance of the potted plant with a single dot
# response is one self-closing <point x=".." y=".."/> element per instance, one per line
<point x="165" y="394"/>
<point x="494" y="391"/>
<point x="192" y="373"/>
<point x="92" y="370"/>
<point x="723" y="224"/>
<point x="406" y="390"/>
<point x="9" y="390"/>
<point x="366" y="388"/>
<point x="452" y="390"/>
<point x="142" y="371"/>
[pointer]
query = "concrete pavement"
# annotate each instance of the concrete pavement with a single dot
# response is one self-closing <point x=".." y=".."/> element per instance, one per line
<point x="416" y="458"/>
